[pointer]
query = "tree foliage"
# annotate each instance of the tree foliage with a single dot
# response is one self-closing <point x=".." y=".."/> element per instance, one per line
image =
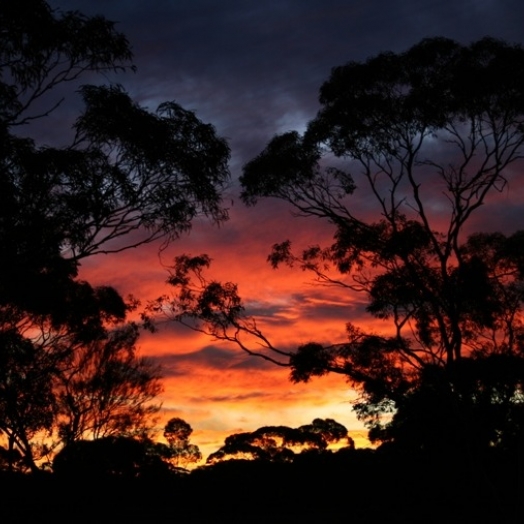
<point x="27" y="406"/>
<point x="402" y="157"/>
<point x="58" y="391"/>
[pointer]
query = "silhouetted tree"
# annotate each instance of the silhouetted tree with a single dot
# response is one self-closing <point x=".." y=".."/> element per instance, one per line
<point x="428" y="135"/>
<point x="52" y="394"/>
<point x="121" y="177"/>
<point x="177" y="430"/>
<point x="104" y="388"/>
<point x="27" y="406"/>
<point x="328" y="429"/>
<point x="280" y="443"/>
<point x="180" y="452"/>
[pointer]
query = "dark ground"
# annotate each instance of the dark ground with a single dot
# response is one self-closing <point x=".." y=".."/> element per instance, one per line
<point x="358" y="487"/>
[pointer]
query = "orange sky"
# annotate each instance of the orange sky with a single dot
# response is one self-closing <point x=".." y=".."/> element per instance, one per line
<point x="213" y="385"/>
<point x="253" y="70"/>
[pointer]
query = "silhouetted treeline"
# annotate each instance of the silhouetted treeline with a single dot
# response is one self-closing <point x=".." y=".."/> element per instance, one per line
<point x="362" y="486"/>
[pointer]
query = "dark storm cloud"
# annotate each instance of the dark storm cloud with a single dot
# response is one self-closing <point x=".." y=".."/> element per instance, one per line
<point x="254" y="69"/>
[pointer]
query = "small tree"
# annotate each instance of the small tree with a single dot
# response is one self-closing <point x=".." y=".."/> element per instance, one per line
<point x="180" y="451"/>
<point x="103" y="388"/>
<point x="123" y="176"/>
<point x="63" y="390"/>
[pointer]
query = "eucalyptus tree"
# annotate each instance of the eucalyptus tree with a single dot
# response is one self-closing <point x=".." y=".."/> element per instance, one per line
<point x="425" y="139"/>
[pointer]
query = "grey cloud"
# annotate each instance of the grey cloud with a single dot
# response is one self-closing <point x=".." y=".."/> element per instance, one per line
<point x="231" y="398"/>
<point x="254" y="69"/>
<point x="210" y="357"/>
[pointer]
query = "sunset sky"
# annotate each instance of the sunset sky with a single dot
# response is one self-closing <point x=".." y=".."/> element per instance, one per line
<point x="253" y="69"/>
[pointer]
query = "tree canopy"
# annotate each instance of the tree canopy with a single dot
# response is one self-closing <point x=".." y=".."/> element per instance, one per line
<point x="280" y="443"/>
<point x="427" y="136"/>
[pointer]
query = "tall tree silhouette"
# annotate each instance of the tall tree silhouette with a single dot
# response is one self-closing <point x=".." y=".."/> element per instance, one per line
<point x="126" y="176"/>
<point x="429" y="135"/>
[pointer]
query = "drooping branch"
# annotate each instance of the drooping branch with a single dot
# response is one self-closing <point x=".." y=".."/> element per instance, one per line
<point x="214" y="309"/>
